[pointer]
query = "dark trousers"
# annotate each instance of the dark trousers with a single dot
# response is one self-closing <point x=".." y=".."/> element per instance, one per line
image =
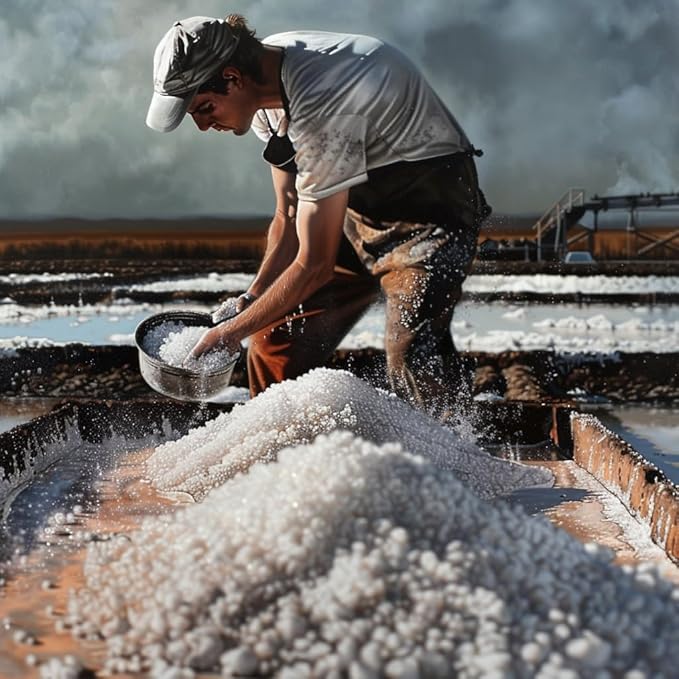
<point x="410" y="234"/>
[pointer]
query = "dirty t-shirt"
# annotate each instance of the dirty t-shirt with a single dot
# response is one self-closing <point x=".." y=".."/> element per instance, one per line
<point x="355" y="104"/>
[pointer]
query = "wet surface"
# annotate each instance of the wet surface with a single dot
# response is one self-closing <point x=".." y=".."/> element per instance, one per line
<point x="653" y="431"/>
<point x="583" y="507"/>
<point x="46" y="507"/>
<point x="35" y="595"/>
<point x="14" y="412"/>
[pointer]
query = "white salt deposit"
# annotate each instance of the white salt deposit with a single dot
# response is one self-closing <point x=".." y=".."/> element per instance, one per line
<point x="564" y="328"/>
<point x="227" y="309"/>
<point x="566" y="341"/>
<point x="156" y="335"/>
<point x="540" y="283"/>
<point x="68" y="667"/>
<point x="121" y="338"/>
<point x="557" y="284"/>
<point x="633" y="530"/>
<point x="11" y="344"/>
<point x="176" y="348"/>
<point x="488" y="327"/>
<point x="296" y="411"/>
<point x="13" y="313"/>
<point x="348" y="558"/>
<point x="213" y="282"/>
<point x="21" y="279"/>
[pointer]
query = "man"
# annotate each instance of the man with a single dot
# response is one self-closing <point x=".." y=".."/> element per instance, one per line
<point x="375" y="187"/>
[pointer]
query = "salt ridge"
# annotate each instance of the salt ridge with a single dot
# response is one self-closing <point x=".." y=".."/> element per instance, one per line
<point x="22" y="279"/>
<point x="232" y="282"/>
<point x="323" y="400"/>
<point x="536" y="283"/>
<point x="565" y="284"/>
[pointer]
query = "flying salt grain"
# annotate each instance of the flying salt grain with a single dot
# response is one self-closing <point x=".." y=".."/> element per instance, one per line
<point x="348" y="558"/>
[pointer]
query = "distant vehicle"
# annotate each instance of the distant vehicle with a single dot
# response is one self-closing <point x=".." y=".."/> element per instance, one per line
<point x="579" y="257"/>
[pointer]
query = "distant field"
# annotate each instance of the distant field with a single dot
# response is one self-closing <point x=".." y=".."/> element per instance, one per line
<point x="92" y="239"/>
<point x="244" y="237"/>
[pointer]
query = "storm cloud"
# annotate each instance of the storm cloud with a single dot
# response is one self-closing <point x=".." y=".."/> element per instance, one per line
<point x="557" y="94"/>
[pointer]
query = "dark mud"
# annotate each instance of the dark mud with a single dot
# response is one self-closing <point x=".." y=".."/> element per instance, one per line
<point x="112" y="372"/>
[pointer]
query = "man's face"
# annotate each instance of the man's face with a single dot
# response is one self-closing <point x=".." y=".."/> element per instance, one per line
<point x="230" y="112"/>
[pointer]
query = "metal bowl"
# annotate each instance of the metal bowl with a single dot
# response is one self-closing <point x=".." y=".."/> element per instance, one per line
<point x="180" y="383"/>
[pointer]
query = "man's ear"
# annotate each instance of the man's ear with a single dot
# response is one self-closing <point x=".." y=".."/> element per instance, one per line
<point x="233" y="75"/>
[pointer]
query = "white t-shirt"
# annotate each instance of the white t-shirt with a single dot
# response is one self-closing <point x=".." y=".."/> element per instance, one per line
<point x="355" y="104"/>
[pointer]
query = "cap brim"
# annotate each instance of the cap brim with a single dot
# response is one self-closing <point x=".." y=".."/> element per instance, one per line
<point x="167" y="111"/>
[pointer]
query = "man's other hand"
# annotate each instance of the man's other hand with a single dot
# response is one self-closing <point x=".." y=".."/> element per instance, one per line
<point x="232" y="306"/>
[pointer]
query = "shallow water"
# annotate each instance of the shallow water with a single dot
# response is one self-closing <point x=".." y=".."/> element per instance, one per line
<point x="8" y="422"/>
<point x="495" y="326"/>
<point x="16" y="412"/>
<point x="652" y="431"/>
<point x="68" y="485"/>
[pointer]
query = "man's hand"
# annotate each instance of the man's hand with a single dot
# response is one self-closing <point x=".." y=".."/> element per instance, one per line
<point x="319" y="230"/>
<point x="218" y="338"/>
<point x="232" y="306"/>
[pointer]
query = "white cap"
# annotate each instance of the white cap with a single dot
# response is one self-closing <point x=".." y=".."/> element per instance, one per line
<point x="188" y="55"/>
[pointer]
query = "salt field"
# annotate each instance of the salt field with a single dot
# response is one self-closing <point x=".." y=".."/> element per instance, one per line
<point x="568" y="328"/>
<point x="387" y="388"/>
<point x="477" y="326"/>
<point x="551" y="284"/>
<point x="488" y="326"/>
<point x="326" y="528"/>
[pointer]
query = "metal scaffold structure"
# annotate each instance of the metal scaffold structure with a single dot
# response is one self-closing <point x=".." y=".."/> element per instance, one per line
<point x="553" y="226"/>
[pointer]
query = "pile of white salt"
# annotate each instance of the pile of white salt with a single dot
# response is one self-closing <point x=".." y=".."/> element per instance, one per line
<point x="352" y="557"/>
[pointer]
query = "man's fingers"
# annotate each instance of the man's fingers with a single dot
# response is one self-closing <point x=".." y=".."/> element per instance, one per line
<point x="198" y="350"/>
<point x="203" y="345"/>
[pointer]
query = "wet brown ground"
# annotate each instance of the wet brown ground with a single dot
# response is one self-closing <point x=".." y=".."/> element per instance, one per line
<point x="585" y="509"/>
<point x="126" y="499"/>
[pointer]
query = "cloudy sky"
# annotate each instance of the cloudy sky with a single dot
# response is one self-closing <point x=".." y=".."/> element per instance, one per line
<point x="558" y="94"/>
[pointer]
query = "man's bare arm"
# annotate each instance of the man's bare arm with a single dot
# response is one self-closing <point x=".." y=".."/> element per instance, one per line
<point x="281" y="240"/>
<point x="319" y="230"/>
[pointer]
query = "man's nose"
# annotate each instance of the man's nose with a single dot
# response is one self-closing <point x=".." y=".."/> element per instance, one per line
<point x="202" y="124"/>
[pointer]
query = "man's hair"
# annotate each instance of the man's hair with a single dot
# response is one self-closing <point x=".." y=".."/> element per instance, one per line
<point x="247" y="58"/>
